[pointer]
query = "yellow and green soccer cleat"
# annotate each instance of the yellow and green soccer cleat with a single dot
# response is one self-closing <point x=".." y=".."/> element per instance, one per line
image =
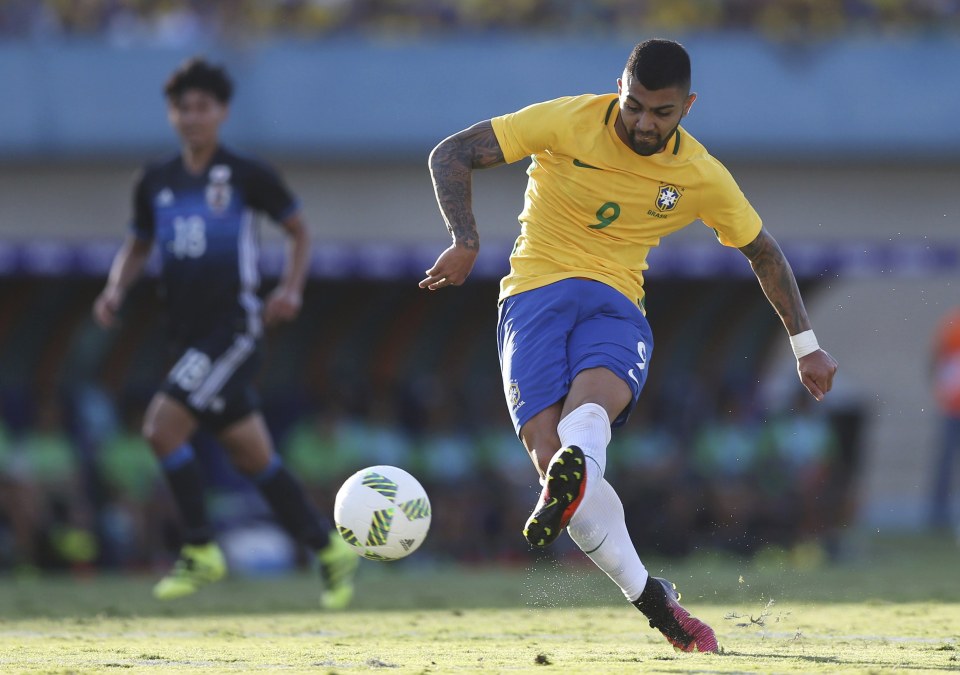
<point x="198" y="565"/>
<point x="337" y="565"/>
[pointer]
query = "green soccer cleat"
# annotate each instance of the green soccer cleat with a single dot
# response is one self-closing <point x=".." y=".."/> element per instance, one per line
<point x="337" y="565"/>
<point x="198" y="565"/>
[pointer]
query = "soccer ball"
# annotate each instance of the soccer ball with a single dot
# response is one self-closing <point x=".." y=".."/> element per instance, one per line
<point x="383" y="512"/>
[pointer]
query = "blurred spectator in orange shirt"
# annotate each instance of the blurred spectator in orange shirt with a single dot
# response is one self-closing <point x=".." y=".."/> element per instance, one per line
<point x="946" y="384"/>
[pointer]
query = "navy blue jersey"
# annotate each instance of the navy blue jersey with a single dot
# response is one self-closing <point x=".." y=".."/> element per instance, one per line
<point x="206" y="228"/>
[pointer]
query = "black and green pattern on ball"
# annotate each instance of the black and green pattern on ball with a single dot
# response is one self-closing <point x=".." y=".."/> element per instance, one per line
<point x="379" y="527"/>
<point x="416" y="508"/>
<point x="381" y="484"/>
<point x="348" y="535"/>
<point x="370" y="555"/>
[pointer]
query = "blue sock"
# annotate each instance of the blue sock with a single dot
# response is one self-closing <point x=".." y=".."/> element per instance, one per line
<point x="290" y="505"/>
<point x="187" y="485"/>
<point x="178" y="458"/>
<point x="273" y="466"/>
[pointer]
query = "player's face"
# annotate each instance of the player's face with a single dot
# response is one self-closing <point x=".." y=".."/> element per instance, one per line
<point x="648" y="117"/>
<point x="196" y="117"/>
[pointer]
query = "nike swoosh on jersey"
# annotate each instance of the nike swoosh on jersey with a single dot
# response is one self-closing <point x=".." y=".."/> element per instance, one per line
<point x="582" y="165"/>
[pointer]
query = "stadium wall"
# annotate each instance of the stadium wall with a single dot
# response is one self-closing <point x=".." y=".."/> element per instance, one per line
<point x="394" y="202"/>
<point x="352" y="98"/>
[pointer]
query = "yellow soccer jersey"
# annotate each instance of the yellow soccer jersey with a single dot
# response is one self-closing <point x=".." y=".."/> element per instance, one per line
<point x="594" y="208"/>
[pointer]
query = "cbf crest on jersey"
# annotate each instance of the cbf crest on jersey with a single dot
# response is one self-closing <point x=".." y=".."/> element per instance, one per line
<point x="668" y="197"/>
<point x="219" y="191"/>
<point x="513" y="395"/>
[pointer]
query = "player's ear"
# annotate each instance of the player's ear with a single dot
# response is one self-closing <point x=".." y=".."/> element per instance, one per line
<point x="224" y="112"/>
<point x="619" y="86"/>
<point x="688" y="104"/>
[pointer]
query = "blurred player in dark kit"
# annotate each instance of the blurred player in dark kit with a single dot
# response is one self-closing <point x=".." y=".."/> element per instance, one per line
<point x="200" y="209"/>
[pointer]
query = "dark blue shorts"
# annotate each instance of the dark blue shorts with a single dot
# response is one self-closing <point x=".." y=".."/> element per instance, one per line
<point x="548" y="335"/>
<point x="214" y="375"/>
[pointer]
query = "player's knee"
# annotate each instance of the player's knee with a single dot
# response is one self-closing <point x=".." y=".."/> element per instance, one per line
<point x="159" y="441"/>
<point x="249" y="461"/>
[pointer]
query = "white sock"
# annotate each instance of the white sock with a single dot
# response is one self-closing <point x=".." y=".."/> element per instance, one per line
<point x="588" y="428"/>
<point x="599" y="529"/>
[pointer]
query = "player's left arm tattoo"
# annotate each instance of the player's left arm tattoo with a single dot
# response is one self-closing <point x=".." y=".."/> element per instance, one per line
<point x="777" y="281"/>
<point x="451" y="168"/>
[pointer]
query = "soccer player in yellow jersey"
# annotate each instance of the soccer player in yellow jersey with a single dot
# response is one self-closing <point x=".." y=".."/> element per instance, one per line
<point x="609" y="176"/>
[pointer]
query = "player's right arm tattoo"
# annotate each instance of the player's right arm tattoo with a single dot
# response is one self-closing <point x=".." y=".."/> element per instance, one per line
<point x="777" y="281"/>
<point x="451" y="167"/>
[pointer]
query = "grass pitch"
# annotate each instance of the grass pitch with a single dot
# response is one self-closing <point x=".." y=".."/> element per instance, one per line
<point x="893" y="606"/>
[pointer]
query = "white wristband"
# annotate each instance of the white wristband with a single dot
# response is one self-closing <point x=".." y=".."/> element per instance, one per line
<point x="804" y="343"/>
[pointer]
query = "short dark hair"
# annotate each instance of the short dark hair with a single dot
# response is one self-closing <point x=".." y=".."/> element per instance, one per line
<point x="198" y="73"/>
<point x="658" y="64"/>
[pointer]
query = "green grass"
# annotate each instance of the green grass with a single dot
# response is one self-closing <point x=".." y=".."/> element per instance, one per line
<point x="893" y="605"/>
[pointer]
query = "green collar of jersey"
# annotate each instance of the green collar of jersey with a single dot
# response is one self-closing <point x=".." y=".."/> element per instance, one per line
<point x="606" y="119"/>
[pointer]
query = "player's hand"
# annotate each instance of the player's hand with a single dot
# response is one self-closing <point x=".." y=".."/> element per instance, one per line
<point x="283" y="304"/>
<point x="451" y="269"/>
<point x="106" y="306"/>
<point x="816" y="372"/>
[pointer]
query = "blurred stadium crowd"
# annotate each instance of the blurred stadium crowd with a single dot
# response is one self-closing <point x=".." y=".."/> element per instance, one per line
<point x="709" y="460"/>
<point x="79" y="487"/>
<point x="183" y="22"/>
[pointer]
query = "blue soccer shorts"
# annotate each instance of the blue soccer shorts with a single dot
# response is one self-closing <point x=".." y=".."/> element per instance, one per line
<point x="214" y="375"/>
<point x="548" y="335"/>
